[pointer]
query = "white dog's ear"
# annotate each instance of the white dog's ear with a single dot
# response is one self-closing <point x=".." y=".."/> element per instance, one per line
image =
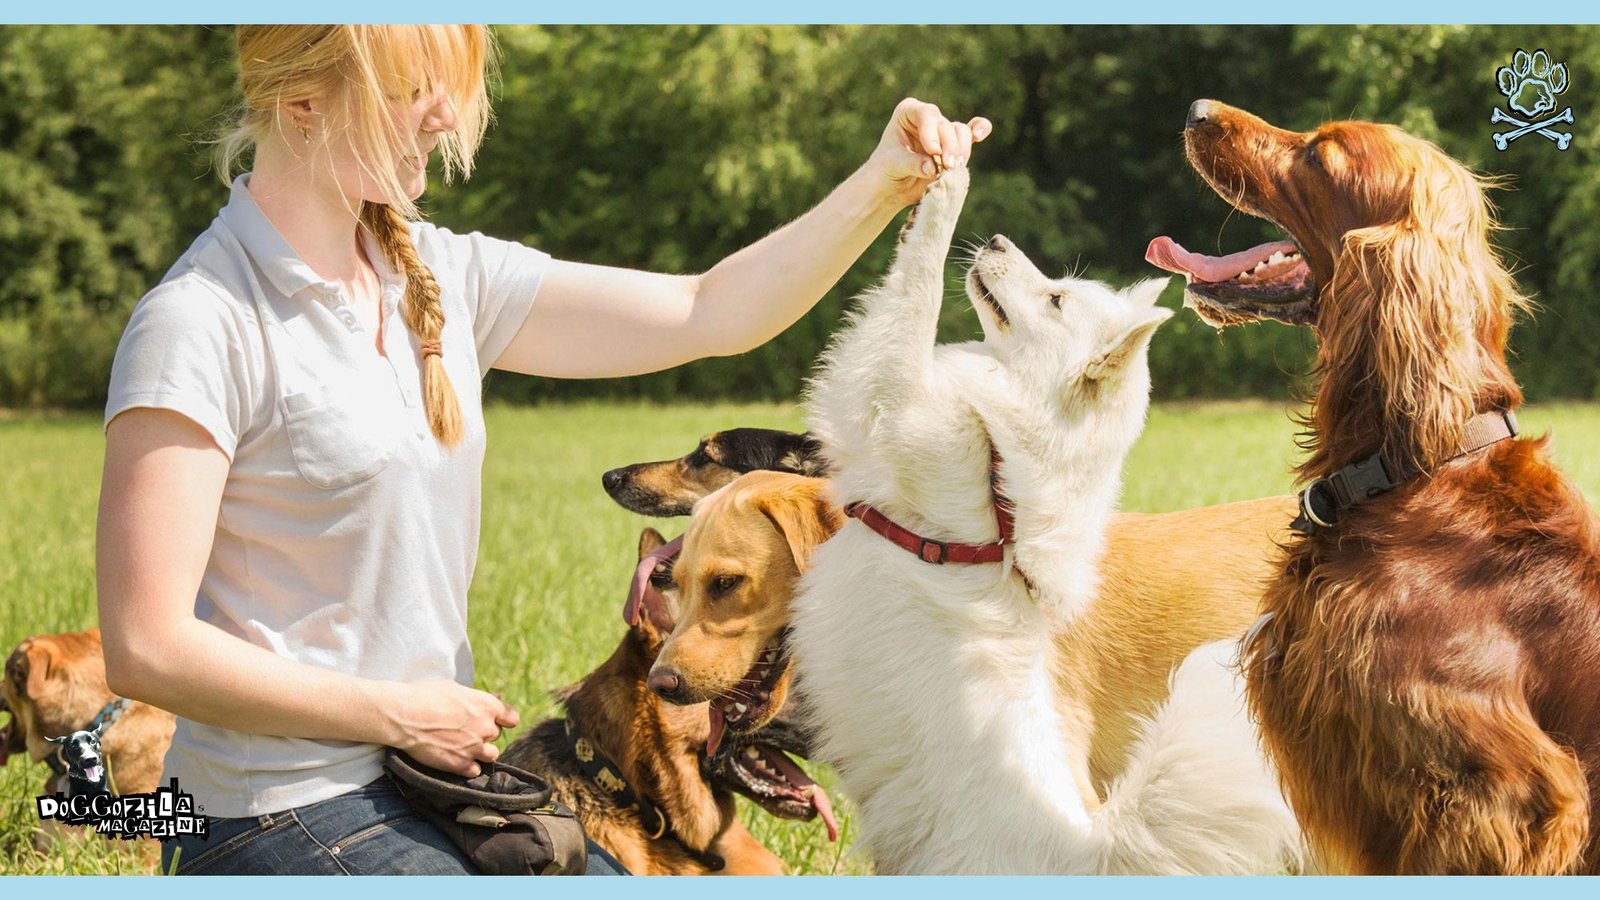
<point x="1114" y="354"/>
<point x="1146" y="292"/>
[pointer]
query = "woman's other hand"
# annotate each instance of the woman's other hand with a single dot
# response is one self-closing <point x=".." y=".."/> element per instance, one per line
<point x="919" y="142"/>
<point x="447" y="726"/>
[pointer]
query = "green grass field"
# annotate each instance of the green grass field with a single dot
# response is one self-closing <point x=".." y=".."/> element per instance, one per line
<point x="556" y="553"/>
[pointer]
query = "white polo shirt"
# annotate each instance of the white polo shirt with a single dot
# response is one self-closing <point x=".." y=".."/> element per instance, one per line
<point x="347" y="535"/>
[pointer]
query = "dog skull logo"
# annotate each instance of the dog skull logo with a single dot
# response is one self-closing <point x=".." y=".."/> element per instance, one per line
<point x="1530" y="85"/>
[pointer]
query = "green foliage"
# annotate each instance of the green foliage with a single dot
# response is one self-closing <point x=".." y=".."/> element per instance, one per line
<point x="98" y="190"/>
<point x="669" y="147"/>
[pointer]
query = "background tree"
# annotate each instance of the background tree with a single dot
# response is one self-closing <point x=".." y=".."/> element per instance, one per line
<point x="668" y="147"/>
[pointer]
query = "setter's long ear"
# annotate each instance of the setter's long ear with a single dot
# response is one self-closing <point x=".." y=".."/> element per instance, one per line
<point x="1423" y="310"/>
<point x="803" y="514"/>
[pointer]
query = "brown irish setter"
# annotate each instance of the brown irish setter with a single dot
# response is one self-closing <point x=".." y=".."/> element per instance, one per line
<point x="1429" y="681"/>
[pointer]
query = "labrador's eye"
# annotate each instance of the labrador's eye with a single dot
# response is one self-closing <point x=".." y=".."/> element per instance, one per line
<point x="722" y="585"/>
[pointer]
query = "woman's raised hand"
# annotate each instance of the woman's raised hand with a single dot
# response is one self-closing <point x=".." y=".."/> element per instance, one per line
<point x="920" y="142"/>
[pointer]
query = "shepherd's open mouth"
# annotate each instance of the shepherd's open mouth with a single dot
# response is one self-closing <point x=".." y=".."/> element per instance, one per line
<point x="750" y="699"/>
<point x="1270" y="279"/>
<point x="768" y="776"/>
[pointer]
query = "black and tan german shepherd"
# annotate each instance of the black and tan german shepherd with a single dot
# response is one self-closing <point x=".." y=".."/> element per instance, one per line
<point x="635" y="767"/>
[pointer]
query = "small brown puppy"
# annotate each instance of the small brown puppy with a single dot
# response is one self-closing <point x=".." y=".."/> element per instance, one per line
<point x="638" y="773"/>
<point x="1170" y="582"/>
<point x="55" y="684"/>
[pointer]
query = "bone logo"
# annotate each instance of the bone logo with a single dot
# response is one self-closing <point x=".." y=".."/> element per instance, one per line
<point x="1531" y="84"/>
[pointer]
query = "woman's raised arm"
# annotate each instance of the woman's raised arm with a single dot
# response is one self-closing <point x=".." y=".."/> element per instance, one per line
<point x="598" y="321"/>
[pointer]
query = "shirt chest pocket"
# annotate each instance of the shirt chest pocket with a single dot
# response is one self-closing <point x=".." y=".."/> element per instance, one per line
<point x="341" y="436"/>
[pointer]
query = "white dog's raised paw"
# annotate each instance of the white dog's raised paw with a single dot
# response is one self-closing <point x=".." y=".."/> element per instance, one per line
<point x="945" y="196"/>
<point x="935" y="215"/>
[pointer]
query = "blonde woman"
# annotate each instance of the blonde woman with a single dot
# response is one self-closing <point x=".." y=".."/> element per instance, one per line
<point x="294" y="438"/>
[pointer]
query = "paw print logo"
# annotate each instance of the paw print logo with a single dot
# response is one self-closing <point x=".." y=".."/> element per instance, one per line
<point x="1532" y="82"/>
<point x="1530" y="85"/>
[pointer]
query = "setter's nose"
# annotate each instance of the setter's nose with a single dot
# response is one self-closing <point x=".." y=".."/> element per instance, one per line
<point x="1199" y="112"/>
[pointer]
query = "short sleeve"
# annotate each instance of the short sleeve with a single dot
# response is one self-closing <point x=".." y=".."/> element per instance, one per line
<point x="500" y="280"/>
<point x="184" y="350"/>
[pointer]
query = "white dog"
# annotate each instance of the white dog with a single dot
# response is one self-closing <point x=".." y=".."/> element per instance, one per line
<point x="931" y="684"/>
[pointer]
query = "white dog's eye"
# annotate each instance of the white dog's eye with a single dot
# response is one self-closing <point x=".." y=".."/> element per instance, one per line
<point x="1055" y="300"/>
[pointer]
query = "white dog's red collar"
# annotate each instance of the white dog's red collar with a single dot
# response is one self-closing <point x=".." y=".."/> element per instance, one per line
<point x="941" y="552"/>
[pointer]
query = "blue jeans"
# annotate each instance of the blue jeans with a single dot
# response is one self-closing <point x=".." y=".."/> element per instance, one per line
<point x="368" y="831"/>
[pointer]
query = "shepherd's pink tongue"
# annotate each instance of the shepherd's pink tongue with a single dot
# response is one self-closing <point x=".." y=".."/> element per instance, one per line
<point x="1166" y="253"/>
<point x="641" y="577"/>
<point x="813" y="792"/>
<point x="718" y="725"/>
<point x="824" y="807"/>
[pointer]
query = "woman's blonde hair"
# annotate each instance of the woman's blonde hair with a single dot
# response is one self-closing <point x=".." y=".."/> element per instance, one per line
<point x="365" y="75"/>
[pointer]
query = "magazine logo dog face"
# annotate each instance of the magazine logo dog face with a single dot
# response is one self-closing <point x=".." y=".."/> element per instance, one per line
<point x="163" y="813"/>
<point x="86" y="771"/>
<point x="1531" y="84"/>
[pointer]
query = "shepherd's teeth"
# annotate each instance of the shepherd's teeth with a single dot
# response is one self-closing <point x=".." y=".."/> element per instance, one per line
<point x="1276" y="257"/>
<point x="752" y="753"/>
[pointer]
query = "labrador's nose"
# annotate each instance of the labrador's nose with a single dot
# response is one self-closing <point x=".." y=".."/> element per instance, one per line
<point x="669" y="686"/>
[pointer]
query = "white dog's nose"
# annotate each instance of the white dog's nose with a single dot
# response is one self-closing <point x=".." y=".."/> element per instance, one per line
<point x="998" y="242"/>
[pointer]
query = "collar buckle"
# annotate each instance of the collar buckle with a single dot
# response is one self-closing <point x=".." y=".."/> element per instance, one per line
<point x="1319" y="503"/>
<point x="932" y="551"/>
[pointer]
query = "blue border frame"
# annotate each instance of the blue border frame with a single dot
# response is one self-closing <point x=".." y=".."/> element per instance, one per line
<point x="830" y="11"/>
<point x="822" y="11"/>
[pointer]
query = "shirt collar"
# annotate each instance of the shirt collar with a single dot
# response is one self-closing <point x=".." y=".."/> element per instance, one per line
<point x="272" y="254"/>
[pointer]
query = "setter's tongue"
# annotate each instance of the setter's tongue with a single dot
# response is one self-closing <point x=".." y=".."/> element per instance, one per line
<point x="1166" y="253"/>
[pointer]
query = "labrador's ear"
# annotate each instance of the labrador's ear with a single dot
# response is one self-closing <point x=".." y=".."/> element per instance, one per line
<point x="803" y="514"/>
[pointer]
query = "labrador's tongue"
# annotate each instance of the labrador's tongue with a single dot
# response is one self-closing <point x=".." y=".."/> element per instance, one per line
<point x="719" y="723"/>
<point x="1166" y="253"/>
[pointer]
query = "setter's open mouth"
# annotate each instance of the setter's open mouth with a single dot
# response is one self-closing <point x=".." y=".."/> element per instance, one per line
<point x="1271" y="280"/>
